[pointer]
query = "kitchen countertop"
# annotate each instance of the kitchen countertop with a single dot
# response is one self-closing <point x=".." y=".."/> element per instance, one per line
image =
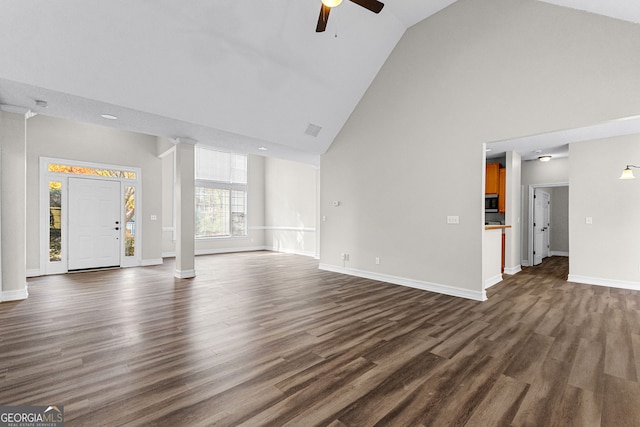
<point x="496" y="227"/>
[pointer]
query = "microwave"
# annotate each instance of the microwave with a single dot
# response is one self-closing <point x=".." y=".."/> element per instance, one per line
<point x="491" y="203"/>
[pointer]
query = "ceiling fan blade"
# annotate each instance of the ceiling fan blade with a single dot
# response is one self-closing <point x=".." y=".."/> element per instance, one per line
<point x="373" y="5"/>
<point x="323" y="18"/>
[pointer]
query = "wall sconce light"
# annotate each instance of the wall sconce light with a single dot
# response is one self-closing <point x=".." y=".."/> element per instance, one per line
<point x="627" y="173"/>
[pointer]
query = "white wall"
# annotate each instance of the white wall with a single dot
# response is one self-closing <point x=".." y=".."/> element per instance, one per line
<point x="53" y="137"/>
<point x="291" y="206"/>
<point x="607" y="251"/>
<point x="255" y="215"/>
<point x="475" y="72"/>
<point x="13" y="225"/>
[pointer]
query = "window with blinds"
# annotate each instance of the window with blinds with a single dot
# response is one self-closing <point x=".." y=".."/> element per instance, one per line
<point x="221" y="193"/>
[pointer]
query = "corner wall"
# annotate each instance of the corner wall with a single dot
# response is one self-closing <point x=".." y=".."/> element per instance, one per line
<point x="411" y="153"/>
<point x="291" y="194"/>
<point x="605" y="252"/>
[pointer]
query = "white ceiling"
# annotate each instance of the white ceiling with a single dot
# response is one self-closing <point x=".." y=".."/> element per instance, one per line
<point x="233" y="74"/>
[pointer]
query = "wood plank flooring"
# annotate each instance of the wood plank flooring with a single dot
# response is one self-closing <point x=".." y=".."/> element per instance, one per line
<point x="268" y="339"/>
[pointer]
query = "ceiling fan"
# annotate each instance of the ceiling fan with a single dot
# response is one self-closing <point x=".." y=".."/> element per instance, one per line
<point x="373" y="5"/>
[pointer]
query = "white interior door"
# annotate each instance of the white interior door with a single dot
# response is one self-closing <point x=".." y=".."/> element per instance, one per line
<point x="540" y="226"/>
<point x="94" y="223"/>
<point x="546" y="222"/>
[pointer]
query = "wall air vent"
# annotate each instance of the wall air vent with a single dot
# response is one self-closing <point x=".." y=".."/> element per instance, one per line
<point x="313" y="130"/>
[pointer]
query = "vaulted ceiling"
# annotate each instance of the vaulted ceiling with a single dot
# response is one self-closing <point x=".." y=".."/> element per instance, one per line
<point x="234" y="74"/>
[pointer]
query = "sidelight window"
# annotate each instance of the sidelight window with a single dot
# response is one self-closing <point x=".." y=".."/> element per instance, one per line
<point x="55" y="221"/>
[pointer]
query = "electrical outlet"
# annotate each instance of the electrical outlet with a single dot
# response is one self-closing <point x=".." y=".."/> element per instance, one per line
<point x="589" y="220"/>
<point x="377" y="260"/>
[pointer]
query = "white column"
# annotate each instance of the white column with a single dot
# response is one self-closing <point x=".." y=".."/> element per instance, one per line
<point x="513" y="256"/>
<point x="13" y="217"/>
<point x="185" y="208"/>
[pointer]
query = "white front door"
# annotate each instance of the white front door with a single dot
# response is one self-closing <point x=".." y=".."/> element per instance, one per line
<point x="94" y="223"/>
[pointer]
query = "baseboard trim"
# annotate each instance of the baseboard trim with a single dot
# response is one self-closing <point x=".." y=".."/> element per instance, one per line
<point x="172" y="254"/>
<point x="512" y="270"/>
<point x="525" y="263"/>
<point x="411" y="283"/>
<point x="621" y="284"/>
<point x="184" y="274"/>
<point x="292" y="251"/>
<point x="229" y="250"/>
<point x="34" y="272"/>
<point x="558" y="253"/>
<point x="492" y="281"/>
<point x="283" y="228"/>
<point x="149" y="262"/>
<point x="18" y="295"/>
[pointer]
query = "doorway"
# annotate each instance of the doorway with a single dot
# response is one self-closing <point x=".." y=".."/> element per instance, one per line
<point x="88" y="216"/>
<point x="547" y="222"/>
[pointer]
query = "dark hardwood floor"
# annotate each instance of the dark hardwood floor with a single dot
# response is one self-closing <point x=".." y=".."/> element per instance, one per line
<point x="268" y="339"/>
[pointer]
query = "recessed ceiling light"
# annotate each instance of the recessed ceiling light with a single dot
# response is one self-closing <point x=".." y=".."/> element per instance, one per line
<point x="262" y="148"/>
<point x="108" y="117"/>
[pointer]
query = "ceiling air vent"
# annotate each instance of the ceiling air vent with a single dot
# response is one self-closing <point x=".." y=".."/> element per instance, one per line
<point x="313" y="130"/>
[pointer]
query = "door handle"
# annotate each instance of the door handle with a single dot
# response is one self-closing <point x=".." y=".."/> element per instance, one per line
<point x="117" y="228"/>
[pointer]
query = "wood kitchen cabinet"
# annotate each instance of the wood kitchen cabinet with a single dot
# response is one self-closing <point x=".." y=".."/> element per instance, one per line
<point x="492" y="181"/>
<point x="502" y="190"/>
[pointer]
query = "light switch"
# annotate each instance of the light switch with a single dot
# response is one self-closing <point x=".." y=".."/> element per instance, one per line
<point x="453" y="220"/>
<point x="589" y="220"/>
<point x="154" y="217"/>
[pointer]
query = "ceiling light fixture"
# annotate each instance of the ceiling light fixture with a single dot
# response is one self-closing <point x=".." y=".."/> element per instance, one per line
<point x="544" y="158"/>
<point x="627" y="173"/>
<point x="108" y="116"/>
<point x="331" y="3"/>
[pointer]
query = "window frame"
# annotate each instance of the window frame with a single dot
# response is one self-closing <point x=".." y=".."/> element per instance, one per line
<point x="224" y="185"/>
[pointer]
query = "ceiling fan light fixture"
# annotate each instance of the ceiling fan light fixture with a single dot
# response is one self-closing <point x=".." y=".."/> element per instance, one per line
<point x="331" y="3"/>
